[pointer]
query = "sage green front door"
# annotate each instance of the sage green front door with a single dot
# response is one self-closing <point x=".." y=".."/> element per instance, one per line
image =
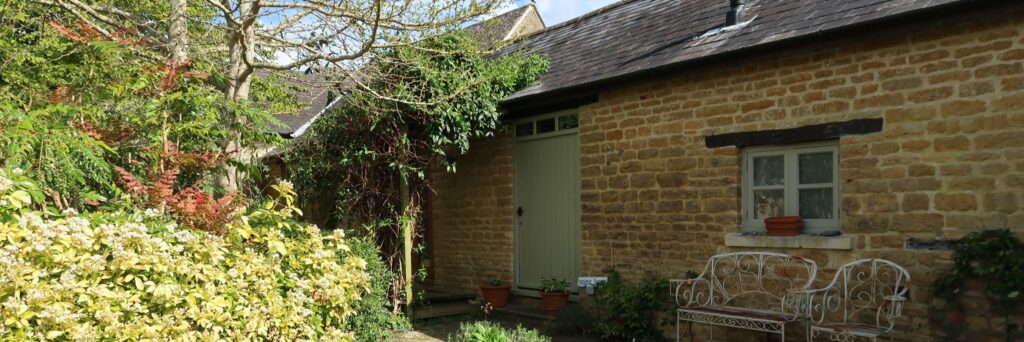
<point x="547" y="199"/>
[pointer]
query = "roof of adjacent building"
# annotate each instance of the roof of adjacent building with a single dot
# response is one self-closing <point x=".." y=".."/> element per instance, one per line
<point x="314" y="91"/>
<point x="637" y="36"/>
<point x="503" y="26"/>
<point x="311" y="90"/>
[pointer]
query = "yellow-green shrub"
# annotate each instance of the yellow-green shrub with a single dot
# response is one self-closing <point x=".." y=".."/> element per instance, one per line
<point x="131" y="275"/>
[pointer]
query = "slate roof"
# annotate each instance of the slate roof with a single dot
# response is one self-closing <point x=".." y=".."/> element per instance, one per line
<point x="494" y="30"/>
<point x="314" y="92"/>
<point x="636" y="36"/>
<point x="497" y="29"/>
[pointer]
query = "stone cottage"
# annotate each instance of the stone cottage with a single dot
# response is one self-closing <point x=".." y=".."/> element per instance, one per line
<point x="646" y="147"/>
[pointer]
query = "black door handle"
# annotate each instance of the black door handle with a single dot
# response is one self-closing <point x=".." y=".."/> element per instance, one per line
<point x="519" y="211"/>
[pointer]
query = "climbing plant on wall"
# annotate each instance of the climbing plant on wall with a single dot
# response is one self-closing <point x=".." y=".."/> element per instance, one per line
<point x="996" y="258"/>
<point x="369" y="157"/>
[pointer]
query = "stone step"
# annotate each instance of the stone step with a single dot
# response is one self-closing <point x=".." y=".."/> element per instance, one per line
<point x="435" y="296"/>
<point x="450" y="308"/>
<point x="528" y="307"/>
<point x="524" y="312"/>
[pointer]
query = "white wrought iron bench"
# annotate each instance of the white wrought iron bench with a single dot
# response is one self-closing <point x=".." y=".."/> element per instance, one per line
<point x="863" y="300"/>
<point x="746" y="290"/>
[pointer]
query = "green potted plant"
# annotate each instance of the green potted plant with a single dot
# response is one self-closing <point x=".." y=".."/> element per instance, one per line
<point x="496" y="293"/>
<point x="554" y="294"/>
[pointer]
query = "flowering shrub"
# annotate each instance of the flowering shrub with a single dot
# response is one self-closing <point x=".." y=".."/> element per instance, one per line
<point x="135" y="275"/>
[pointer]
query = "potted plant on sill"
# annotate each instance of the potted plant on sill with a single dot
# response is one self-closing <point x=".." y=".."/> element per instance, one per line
<point x="496" y="293"/>
<point x="783" y="225"/>
<point x="554" y="294"/>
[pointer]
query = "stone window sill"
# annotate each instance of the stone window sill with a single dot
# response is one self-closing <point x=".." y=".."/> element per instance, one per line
<point x="802" y="241"/>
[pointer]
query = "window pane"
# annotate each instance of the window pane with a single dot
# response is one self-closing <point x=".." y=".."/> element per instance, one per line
<point x="524" y="129"/>
<point x="768" y="203"/>
<point x="568" y="121"/>
<point x="816" y="203"/>
<point x="769" y="170"/>
<point x="816" y="168"/>
<point x="546" y="125"/>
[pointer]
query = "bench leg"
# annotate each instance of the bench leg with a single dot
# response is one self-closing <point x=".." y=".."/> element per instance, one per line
<point x="678" y="323"/>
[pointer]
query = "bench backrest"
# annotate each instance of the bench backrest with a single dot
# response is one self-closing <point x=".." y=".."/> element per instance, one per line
<point x="756" y="279"/>
<point x="866" y="291"/>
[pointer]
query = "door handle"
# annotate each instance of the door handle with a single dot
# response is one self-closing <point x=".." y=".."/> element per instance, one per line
<point x="519" y="212"/>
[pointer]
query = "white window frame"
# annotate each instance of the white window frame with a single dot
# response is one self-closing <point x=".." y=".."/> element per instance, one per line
<point x="555" y="115"/>
<point x="791" y="185"/>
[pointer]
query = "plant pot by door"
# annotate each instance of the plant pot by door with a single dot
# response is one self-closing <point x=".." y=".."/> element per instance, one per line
<point x="553" y="301"/>
<point x="783" y="225"/>
<point x="496" y="295"/>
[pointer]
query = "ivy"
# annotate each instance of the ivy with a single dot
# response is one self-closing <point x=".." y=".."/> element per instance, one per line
<point x="426" y="102"/>
<point x="995" y="257"/>
<point x="368" y="158"/>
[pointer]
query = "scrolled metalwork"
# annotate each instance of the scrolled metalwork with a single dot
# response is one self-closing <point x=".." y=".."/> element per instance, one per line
<point x="730" y="276"/>
<point x="748" y="281"/>
<point x="870" y="292"/>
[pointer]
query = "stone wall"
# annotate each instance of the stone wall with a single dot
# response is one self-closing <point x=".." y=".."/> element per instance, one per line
<point x="949" y="160"/>
<point x="471" y="217"/>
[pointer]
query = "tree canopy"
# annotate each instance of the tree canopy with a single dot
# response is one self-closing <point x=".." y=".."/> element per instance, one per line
<point x="437" y="98"/>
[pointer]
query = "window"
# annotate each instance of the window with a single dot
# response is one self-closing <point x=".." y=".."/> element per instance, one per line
<point x="792" y="180"/>
<point x="550" y="123"/>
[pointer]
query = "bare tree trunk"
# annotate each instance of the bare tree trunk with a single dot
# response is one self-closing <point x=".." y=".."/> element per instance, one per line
<point x="241" y="47"/>
<point x="178" y="32"/>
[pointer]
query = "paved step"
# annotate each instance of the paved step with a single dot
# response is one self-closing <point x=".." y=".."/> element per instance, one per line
<point x="528" y="312"/>
<point x="436" y="296"/>
<point x="443" y="309"/>
<point x="413" y="336"/>
<point x="527" y="307"/>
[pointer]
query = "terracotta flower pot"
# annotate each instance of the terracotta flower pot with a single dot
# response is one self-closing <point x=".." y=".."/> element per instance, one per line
<point x="553" y="301"/>
<point x="496" y="295"/>
<point x="783" y="225"/>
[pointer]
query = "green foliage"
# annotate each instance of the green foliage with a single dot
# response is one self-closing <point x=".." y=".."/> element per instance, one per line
<point x="17" y="193"/>
<point x="134" y="275"/>
<point x="374" y="319"/>
<point x="484" y="331"/>
<point x="74" y="103"/>
<point x="425" y="100"/>
<point x="495" y="282"/>
<point x="575" y="320"/>
<point x="379" y="141"/>
<point x="997" y="258"/>
<point x="628" y="311"/>
<point x="554" y="285"/>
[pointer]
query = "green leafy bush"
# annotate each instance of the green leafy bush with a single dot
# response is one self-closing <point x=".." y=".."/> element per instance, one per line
<point x="73" y="104"/>
<point x="628" y="310"/>
<point x="132" y="275"/>
<point x="374" y="319"/>
<point x="484" y="331"/>
<point x="996" y="258"/>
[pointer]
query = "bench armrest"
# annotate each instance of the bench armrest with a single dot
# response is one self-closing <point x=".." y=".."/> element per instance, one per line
<point x="897" y="305"/>
<point x="806" y="303"/>
<point x="691" y="292"/>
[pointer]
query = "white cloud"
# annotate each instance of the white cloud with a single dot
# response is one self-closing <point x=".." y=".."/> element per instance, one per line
<point x="557" y="11"/>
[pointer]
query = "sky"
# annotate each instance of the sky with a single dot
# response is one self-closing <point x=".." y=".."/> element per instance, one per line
<point x="556" y="11"/>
